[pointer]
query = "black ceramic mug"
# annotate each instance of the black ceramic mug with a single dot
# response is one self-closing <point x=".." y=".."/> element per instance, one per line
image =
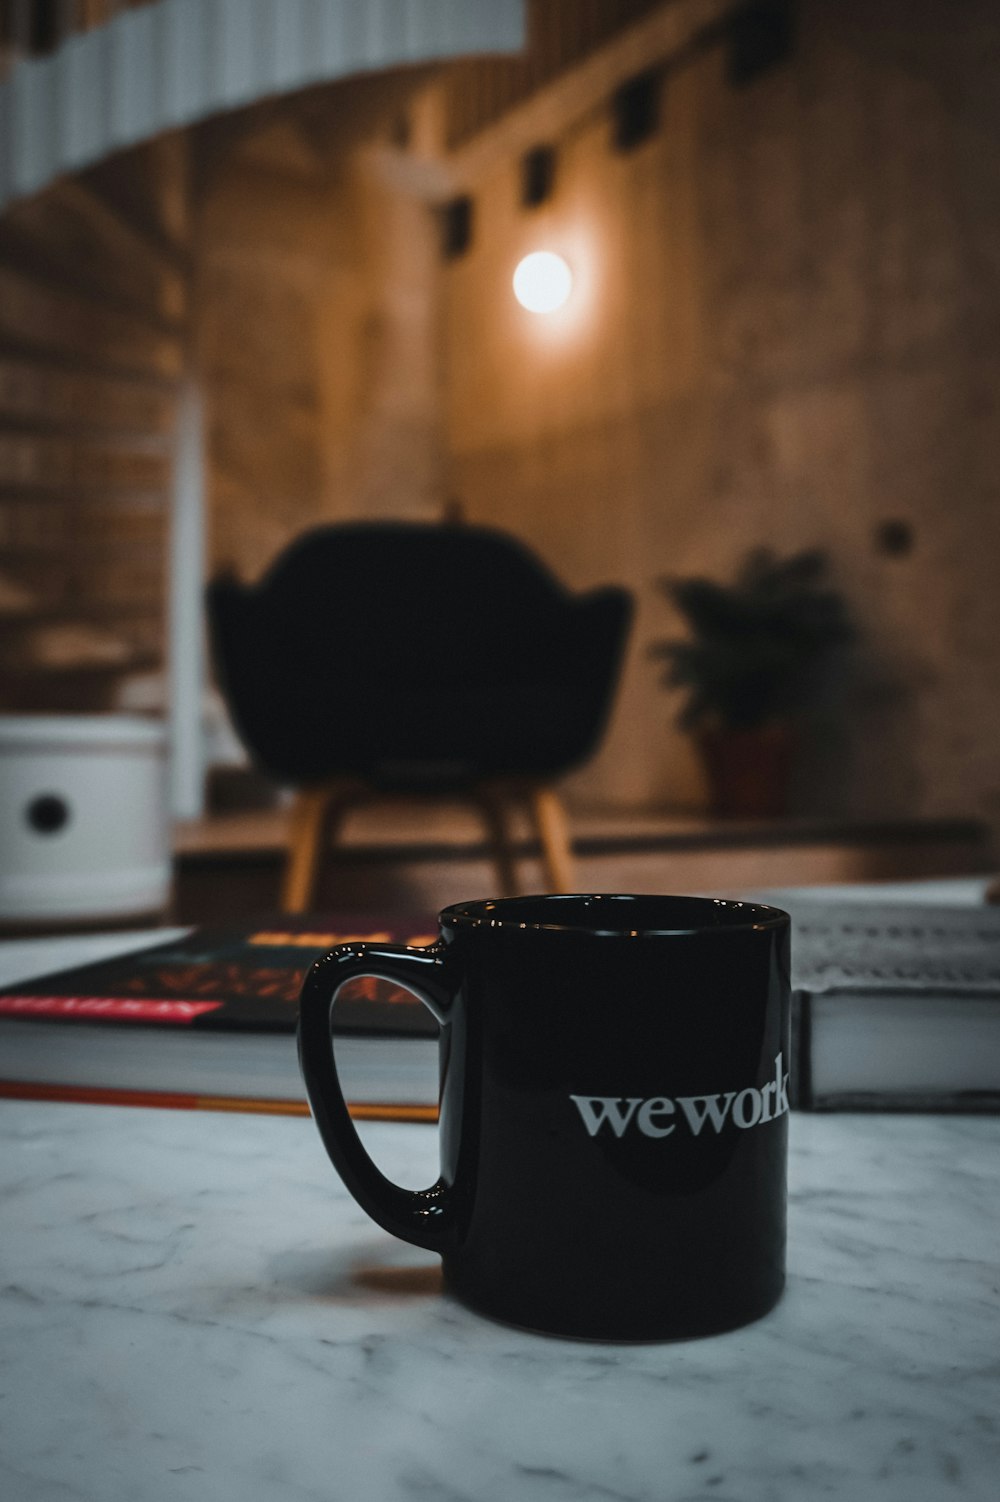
<point x="614" y="1109"/>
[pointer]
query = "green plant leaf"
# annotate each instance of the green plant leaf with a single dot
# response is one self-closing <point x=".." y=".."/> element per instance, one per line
<point x="757" y="648"/>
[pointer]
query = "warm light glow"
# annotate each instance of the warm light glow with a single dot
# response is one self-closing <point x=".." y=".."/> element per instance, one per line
<point x="542" y="282"/>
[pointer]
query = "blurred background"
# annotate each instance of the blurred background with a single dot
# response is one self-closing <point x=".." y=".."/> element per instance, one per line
<point x="256" y="268"/>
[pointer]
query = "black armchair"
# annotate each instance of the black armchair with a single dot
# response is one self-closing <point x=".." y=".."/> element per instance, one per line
<point x="392" y="657"/>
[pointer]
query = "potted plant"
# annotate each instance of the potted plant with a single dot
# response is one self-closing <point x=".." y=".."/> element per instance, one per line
<point x="755" y="659"/>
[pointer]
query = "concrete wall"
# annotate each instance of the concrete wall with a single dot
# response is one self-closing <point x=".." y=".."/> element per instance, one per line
<point x="787" y="333"/>
<point x="93" y="320"/>
<point x="318" y="329"/>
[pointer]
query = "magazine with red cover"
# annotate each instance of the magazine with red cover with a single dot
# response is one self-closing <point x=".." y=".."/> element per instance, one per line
<point x="210" y="1017"/>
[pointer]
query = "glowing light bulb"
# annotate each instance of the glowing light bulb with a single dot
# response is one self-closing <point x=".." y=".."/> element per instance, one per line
<point x="542" y="282"/>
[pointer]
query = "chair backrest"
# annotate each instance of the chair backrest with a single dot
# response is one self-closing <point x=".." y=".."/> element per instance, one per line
<point x="354" y="618"/>
<point x="396" y="600"/>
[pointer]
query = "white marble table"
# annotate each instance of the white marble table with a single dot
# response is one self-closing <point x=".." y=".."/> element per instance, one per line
<point x="193" y="1308"/>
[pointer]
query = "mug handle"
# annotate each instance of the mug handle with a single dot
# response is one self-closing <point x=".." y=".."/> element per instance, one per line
<point x="425" y="1217"/>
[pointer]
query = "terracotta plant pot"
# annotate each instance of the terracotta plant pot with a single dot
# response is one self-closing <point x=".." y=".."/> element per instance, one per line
<point x="748" y="770"/>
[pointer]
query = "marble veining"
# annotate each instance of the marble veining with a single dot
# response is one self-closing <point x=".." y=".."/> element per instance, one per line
<point x="192" y="1307"/>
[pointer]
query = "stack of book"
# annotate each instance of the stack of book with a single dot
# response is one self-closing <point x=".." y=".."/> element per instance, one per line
<point x="895" y="1007"/>
<point x="208" y="1020"/>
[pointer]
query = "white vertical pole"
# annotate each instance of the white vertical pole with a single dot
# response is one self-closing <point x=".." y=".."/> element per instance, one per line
<point x="185" y="589"/>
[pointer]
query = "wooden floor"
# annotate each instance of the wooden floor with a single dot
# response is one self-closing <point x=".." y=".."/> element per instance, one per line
<point x="416" y="858"/>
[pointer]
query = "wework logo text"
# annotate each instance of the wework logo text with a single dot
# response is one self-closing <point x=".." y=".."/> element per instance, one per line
<point x="657" y="1115"/>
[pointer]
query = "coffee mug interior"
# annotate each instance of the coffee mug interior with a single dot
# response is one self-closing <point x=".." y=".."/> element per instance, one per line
<point x="613" y="913"/>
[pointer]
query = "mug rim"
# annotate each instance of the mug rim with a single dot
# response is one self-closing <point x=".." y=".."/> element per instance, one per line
<point x="499" y="913"/>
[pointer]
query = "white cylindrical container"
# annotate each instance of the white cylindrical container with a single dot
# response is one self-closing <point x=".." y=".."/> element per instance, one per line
<point x="84" y="822"/>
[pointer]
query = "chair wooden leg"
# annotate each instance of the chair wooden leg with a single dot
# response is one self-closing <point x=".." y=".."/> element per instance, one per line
<point x="317" y="815"/>
<point x="491" y="806"/>
<point x="306" y="842"/>
<point x="553" y="831"/>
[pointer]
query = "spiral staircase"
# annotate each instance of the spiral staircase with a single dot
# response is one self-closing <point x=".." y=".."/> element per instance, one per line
<point x="101" y="490"/>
